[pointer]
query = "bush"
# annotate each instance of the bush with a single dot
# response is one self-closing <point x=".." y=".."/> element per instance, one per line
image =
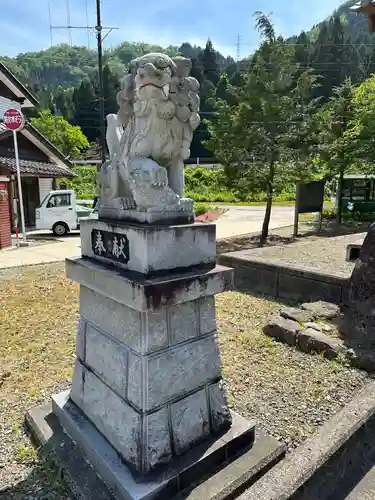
<point x="201" y="184"/>
<point x="329" y="214"/>
<point x="201" y="208"/>
<point x="348" y="216"/>
<point x="84" y="185"/>
<point x="364" y="216"/>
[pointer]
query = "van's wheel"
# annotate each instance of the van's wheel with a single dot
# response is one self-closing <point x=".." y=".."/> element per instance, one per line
<point x="60" y="229"/>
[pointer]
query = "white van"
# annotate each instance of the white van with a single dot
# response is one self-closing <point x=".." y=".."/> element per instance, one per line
<point x="60" y="213"/>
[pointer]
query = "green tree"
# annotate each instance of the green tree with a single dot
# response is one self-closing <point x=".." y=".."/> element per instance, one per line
<point x="197" y="69"/>
<point x="361" y="132"/>
<point x="211" y="69"/>
<point x="111" y="86"/>
<point x="64" y="103"/>
<point x="86" y="107"/>
<point x="337" y="137"/>
<point x="262" y="140"/>
<point x="224" y="90"/>
<point x="352" y="148"/>
<point x="303" y="49"/>
<point x="332" y="56"/>
<point x="69" y="139"/>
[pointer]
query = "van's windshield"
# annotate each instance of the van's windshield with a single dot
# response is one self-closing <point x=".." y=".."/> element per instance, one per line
<point x="44" y="199"/>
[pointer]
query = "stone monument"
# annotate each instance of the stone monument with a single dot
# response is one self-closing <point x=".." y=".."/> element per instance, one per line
<point x="147" y="407"/>
<point x="360" y="301"/>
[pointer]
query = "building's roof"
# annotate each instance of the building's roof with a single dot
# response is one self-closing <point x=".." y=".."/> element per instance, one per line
<point x="41" y="142"/>
<point x="17" y="88"/>
<point x="35" y="168"/>
<point x="48" y="144"/>
<point x="361" y="5"/>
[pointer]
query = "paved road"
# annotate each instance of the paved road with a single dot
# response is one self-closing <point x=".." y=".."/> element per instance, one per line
<point x="243" y="220"/>
<point x="236" y="221"/>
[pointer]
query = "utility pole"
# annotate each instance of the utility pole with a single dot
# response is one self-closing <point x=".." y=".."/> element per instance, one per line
<point x="99" y="35"/>
<point x="101" y="89"/>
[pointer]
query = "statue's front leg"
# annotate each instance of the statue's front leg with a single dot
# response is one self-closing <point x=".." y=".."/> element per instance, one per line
<point x="176" y="177"/>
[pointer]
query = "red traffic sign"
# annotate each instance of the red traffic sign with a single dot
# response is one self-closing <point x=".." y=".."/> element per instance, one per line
<point x="13" y="119"/>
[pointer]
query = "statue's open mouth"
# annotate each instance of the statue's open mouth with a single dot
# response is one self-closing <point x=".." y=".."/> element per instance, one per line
<point x="150" y="84"/>
<point x="163" y="88"/>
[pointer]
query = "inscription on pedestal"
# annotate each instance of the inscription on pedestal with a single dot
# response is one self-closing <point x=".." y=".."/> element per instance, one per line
<point x="110" y="245"/>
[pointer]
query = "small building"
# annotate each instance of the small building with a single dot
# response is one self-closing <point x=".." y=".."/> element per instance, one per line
<point x="40" y="161"/>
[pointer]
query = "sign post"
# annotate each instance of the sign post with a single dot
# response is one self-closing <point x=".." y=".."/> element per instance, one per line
<point x="14" y="121"/>
<point x="309" y="198"/>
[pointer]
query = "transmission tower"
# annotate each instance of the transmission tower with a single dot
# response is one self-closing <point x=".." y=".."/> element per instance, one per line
<point x="238" y="51"/>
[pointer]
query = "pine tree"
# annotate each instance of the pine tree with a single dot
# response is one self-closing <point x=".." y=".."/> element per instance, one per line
<point x="188" y="51"/>
<point x="302" y="53"/>
<point x="111" y="86"/>
<point x="211" y="68"/>
<point x="336" y="119"/>
<point x="86" y="110"/>
<point x="64" y="103"/>
<point x="197" y="69"/>
<point x="263" y="141"/>
<point x="330" y="58"/>
<point x="224" y="90"/>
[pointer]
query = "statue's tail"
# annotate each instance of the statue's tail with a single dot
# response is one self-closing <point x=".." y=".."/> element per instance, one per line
<point x="113" y="136"/>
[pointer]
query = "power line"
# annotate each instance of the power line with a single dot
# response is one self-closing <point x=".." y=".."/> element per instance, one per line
<point x="69" y="27"/>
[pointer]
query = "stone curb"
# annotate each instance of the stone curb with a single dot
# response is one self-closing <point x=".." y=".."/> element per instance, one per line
<point x="289" y="476"/>
<point x="284" y="280"/>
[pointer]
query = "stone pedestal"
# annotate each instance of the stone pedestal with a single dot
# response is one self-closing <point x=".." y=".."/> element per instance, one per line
<point x="148" y="374"/>
<point x="148" y="365"/>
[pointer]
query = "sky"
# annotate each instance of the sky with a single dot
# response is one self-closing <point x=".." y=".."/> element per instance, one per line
<point x="24" y="25"/>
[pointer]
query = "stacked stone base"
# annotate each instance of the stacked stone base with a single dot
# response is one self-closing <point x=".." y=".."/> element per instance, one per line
<point x="124" y="482"/>
<point x="149" y="378"/>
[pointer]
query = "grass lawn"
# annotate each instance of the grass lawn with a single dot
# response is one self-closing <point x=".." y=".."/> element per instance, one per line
<point x="288" y="392"/>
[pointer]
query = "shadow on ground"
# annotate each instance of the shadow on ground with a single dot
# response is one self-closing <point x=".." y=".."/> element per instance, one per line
<point x="330" y="229"/>
<point x="45" y="482"/>
<point x="251" y="241"/>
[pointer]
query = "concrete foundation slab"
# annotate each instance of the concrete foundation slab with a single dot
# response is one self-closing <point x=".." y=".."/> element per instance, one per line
<point x="227" y="472"/>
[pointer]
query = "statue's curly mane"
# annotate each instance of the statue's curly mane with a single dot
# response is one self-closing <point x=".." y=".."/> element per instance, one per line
<point x="156" y="103"/>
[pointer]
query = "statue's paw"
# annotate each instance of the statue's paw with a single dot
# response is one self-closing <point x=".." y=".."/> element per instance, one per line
<point x="159" y="177"/>
<point x="187" y="205"/>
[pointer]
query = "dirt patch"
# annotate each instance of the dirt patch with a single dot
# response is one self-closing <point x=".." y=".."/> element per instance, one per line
<point x="38" y="315"/>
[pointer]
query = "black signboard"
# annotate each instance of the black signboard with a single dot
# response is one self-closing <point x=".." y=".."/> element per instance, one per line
<point x="111" y="246"/>
<point x="310" y="197"/>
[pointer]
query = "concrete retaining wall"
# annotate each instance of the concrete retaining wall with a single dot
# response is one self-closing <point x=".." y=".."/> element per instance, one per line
<point x="330" y="464"/>
<point x="282" y="280"/>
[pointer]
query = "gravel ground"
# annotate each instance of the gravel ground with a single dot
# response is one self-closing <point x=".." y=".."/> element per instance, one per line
<point x="289" y="393"/>
<point x="325" y="253"/>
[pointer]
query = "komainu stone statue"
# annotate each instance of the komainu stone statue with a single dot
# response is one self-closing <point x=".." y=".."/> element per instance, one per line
<point x="148" y="141"/>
